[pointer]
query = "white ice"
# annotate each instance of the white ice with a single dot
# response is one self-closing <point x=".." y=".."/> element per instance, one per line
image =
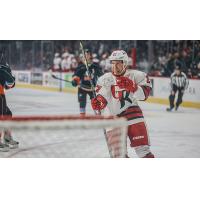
<point x="172" y="134"/>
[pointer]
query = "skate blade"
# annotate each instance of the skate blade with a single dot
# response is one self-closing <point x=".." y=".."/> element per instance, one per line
<point x="4" y="149"/>
<point x="13" y="146"/>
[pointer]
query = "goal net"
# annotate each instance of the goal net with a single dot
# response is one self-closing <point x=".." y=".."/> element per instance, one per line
<point x="66" y="136"/>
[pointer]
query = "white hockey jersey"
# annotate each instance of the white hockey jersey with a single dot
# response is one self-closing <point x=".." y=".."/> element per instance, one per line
<point x="119" y="100"/>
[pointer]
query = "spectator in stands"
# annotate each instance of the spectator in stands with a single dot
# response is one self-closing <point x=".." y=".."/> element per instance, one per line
<point x="197" y="72"/>
<point x="130" y="60"/>
<point x="197" y="59"/>
<point x="74" y="62"/>
<point x="183" y="59"/>
<point x="105" y="63"/>
<point x="189" y="73"/>
<point x="95" y="58"/>
<point x="172" y="62"/>
<point x="66" y="64"/>
<point x="57" y="62"/>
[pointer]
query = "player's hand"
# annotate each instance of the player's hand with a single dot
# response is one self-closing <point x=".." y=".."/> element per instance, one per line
<point x="75" y="81"/>
<point x="127" y="84"/>
<point x="99" y="103"/>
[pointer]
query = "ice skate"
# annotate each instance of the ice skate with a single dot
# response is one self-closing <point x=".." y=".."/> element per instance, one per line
<point x="169" y="109"/>
<point x="176" y="108"/>
<point x="8" y="140"/>
<point x="4" y="147"/>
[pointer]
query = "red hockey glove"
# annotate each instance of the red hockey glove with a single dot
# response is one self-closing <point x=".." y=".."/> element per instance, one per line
<point x="127" y="84"/>
<point x="99" y="103"/>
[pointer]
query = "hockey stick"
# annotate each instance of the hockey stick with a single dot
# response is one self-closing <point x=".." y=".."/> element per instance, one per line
<point x="88" y="71"/>
<point x="94" y="94"/>
<point x="61" y="79"/>
<point x="3" y="57"/>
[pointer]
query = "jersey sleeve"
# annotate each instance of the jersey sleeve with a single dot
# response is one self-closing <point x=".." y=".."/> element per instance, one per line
<point x="8" y="78"/>
<point x="78" y="72"/>
<point x="144" y="86"/>
<point x="103" y="87"/>
<point x="99" y="71"/>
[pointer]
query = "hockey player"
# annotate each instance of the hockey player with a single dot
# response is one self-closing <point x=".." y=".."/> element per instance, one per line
<point x="7" y="81"/>
<point x="81" y="78"/>
<point x="179" y="83"/>
<point x="117" y="94"/>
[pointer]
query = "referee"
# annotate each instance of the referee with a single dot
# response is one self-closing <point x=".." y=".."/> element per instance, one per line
<point x="179" y="83"/>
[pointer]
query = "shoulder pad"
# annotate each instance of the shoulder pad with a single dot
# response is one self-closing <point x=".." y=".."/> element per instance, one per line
<point x="106" y="80"/>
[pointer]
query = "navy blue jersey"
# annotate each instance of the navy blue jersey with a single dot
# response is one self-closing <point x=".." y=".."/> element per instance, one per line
<point x="81" y="72"/>
<point x="6" y="79"/>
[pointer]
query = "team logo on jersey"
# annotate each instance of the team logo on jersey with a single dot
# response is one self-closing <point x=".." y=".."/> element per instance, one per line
<point x="120" y="94"/>
<point x="89" y="76"/>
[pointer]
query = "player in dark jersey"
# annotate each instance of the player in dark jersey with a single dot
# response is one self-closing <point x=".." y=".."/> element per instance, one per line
<point x="7" y="81"/>
<point x="82" y="79"/>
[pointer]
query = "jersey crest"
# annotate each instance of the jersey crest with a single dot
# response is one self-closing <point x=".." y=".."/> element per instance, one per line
<point x="120" y="94"/>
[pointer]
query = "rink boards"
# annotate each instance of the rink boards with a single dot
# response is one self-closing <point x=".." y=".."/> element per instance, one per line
<point x="160" y="92"/>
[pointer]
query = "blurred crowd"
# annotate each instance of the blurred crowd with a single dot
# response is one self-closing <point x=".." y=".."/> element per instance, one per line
<point x="186" y="57"/>
<point x="162" y="61"/>
<point x="66" y="61"/>
<point x="157" y="58"/>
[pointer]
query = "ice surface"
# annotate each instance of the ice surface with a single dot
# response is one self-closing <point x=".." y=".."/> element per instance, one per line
<point x="172" y="134"/>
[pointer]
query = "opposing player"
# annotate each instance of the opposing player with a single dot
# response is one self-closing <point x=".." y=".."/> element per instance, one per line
<point x="117" y="94"/>
<point x="81" y="78"/>
<point x="7" y="81"/>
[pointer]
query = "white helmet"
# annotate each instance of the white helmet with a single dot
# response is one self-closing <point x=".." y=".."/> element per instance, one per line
<point x="119" y="55"/>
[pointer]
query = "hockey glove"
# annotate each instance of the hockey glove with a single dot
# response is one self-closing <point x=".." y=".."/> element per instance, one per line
<point x="75" y="81"/>
<point x="9" y="85"/>
<point x="127" y="84"/>
<point x="99" y="103"/>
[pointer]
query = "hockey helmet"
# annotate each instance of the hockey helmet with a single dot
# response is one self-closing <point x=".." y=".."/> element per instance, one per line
<point x="119" y="55"/>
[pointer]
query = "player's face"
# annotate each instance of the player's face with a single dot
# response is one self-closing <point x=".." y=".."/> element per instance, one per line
<point x="177" y="71"/>
<point x="117" y="67"/>
<point x="88" y="56"/>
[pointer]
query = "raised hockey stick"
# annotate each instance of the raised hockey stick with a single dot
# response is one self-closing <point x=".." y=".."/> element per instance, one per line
<point x="3" y="58"/>
<point x="94" y="94"/>
<point x="88" y="71"/>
